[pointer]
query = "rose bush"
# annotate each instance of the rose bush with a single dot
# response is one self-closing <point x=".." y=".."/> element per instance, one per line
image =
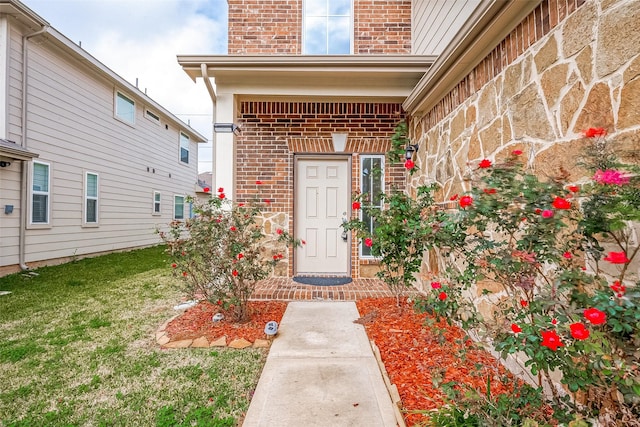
<point x="223" y="251"/>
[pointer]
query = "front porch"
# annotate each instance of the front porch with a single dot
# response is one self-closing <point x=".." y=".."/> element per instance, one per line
<point x="284" y="288"/>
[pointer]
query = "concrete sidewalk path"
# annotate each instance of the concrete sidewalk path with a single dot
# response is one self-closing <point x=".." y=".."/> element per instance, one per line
<point x="321" y="372"/>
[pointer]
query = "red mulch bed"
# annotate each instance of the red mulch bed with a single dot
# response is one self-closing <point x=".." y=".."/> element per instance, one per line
<point x="412" y="352"/>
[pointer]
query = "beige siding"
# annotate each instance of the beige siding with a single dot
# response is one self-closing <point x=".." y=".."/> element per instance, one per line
<point x="436" y="22"/>
<point x="14" y="128"/>
<point x="9" y="223"/>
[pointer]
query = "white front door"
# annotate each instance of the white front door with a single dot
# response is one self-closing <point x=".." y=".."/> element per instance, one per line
<point x="321" y="203"/>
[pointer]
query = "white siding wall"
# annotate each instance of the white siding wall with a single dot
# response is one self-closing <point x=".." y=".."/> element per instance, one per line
<point x="72" y="127"/>
<point x="436" y="22"/>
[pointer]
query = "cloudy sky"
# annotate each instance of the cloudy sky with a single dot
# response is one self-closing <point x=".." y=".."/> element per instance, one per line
<point x="141" y="38"/>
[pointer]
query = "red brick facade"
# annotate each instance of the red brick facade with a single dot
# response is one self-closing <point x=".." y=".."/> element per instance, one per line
<point x="273" y="132"/>
<point x="274" y="27"/>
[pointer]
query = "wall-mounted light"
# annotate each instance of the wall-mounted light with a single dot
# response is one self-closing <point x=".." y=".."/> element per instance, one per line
<point x="4" y="164"/>
<point x="226" y="128"/>
<point x="408" y="154"/>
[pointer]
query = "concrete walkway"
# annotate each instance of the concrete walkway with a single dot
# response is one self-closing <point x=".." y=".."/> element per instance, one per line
<point x="321" y="372"/>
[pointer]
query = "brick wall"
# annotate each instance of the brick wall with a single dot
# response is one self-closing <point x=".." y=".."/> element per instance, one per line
<point x="259" y="27"/>
<point x="272" y="132"/>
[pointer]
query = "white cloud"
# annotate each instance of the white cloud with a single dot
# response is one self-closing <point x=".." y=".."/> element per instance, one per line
<point x="139" y="39"/>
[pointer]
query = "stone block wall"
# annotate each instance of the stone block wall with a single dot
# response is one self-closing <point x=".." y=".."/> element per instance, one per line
<point x="273" y="132"/>
<point x="274" y="27"/>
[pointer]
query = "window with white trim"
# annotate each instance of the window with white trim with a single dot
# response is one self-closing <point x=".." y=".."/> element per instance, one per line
<point x="156" y="203"/>
<point x="40" y="194"/>
<point x="178" y="207"/>
<point x="91" y="198"/>
<point x="184" y="148"/>
<point x="125" y="108"/>
<point x="372" y="189"/>
<point x="328" y="27"/>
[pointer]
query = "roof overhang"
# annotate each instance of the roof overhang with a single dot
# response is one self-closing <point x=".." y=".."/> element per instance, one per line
<point x="489" y="24"/>
<point x="330" y="76"/>
<point x="14" y="151"/>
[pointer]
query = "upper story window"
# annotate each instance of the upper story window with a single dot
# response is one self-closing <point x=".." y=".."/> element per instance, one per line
<point x="184" y="148"/>
<point x="125" y="108"/>
<point x="40" y="193"/>
<point x="328" y="27"/>
<point x="372" y="186"/>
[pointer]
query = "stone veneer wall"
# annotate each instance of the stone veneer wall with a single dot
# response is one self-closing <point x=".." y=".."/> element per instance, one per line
<point x="584" y="72"/>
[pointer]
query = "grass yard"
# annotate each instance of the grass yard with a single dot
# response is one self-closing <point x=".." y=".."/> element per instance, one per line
<point x="77" y="348"/>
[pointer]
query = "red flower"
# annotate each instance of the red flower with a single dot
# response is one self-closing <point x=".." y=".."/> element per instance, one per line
<point x="516" y="152"/>
<point x="547" y="213"/>
<point x="303" y="242"/>
<point x="595" y="316"/>
<point x="551" y="340"/>
<point x="465" y="201"/>
<point x="538" y="210"/>
<point x="240" y="256"/>
<point x="368" y="242"/>
<point x="206" y="189"/>
<point x="515" y="328"/>
<point x="234" y="273"/>
<point x="524" y="302"/>
<point x="442" y="296"/>
<point x="560" y="203"/>
<point x="617" y="258"/>
<point x="221" y="196"/>
<point x="267" y="201"/>
<point x="174" y="265"/>
<point x="435" y="285"/>
<point x="618" y="288"/>
<point x="484" y="164"/>
<point x="593" y="132"/>
<point x="574" y="188"/>
<point x="567" y="255"/>
<point x="489" y="191"/>
<point x="579" y="331"/>
<point x="279" y="231"/>
<point x="184" y="273"/>
<point x="258" y="182"/>
<point x="355" y="206"/>
<point x="232" y="228"/>
<point x="454" y="197"/>
<point x="220" y="190"/>
<point x="409" y="164"/>
<point x="554" y="321"/>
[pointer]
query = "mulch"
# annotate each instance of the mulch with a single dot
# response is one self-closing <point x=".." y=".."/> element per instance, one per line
<point x="417" y="357"/>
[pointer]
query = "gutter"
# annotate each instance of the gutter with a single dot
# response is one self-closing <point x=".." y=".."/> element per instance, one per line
<point x="24" y="190"/>
<point x="204" y="69"/>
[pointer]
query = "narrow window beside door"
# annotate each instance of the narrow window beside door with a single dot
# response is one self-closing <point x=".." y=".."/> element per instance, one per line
<point x="371" y="185"/>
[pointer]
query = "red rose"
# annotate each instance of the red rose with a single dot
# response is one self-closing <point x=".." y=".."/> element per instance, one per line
<point x="232" y="228"/>
<point x="618" y="288"/>
<point x="184" y="273"/>
<point x="220" y="190"/>
<point x="454" y="197"/>
<point x="234" y="273"/>
<point x="409" y="164"/>
<point x="258" y="182"/>
<point x="551" y="340"/>
<point x="560" y="203"/>
<point x="595" y="316"/>
<point x="465" y="201"/>
<point x="221" y="196"/>
<point x="355" y="206"/>
<point x="524" y="302"/>
<point x="206" y="189"/>
<point x="435" y="285"/>
<point x="617" y="258"/>
<point x="303" y="242"/>
<point x="579" y="331"/>
<point x="516" y="152"/>
<point x="368" y="242"/>
<point x="442" y="296"/>
<point x="267" y="201"/>
<point x="484" y="164"/>
<point x="279" y="231"/>
<point x="515" y="328"/>
<point x="574" y="188"/>
<point x="567" y="255"/>
<point x="174" y="265"/>
<point x="547" y="213"/>
<point x="489" y="191"/>
<point x="593" y="132"/>
<point x="240" y="256"/>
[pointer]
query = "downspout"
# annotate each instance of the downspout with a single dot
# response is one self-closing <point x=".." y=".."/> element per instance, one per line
<point x="212" y="93"/>
<point x="24" y="190"/>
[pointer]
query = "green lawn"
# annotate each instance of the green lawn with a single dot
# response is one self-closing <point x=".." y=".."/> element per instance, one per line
<point x="77" y="347"/>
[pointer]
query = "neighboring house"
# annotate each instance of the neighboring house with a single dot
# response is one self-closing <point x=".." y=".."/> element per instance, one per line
<point x="316" y="88"/>
<point x="88" y="163"/>
<point x="204" y="187"/>
<point x="317" y="93"/>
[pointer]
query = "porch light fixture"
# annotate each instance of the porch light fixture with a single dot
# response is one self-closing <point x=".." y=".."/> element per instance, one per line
<point x="226" y="128"/>
<point x="408" y="154"/>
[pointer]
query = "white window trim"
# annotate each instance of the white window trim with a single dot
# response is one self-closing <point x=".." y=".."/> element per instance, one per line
<point x="48" y="193"/>
<point x="382" y="189"/>
<point x="115" y="108"/>
<point x="184" y="205"/>
<point x="180" y="135"/>
<point x="152" y="116"/>
<point x="351" y="31"/>
<point x="159" y="202"/>
<point x="85" y="223"/>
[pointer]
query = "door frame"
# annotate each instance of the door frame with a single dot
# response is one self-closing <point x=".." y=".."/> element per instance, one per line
<point x="349" y="185"/>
